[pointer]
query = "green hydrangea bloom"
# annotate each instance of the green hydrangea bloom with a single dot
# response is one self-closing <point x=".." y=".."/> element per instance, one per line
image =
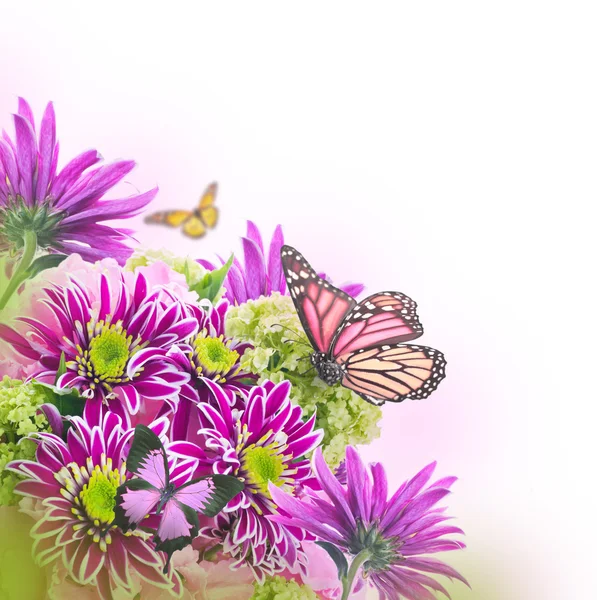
<point x="278" y="588"/>
<point x="19" y="403"/>
<point x="278" y="354"/>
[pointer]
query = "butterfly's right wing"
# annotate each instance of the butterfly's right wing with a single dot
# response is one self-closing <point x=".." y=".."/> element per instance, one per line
<point x="206" y="210"/>
<point x="381" y="319"/>
<point x="194" y="227"/>
<point x="147" y="458"/>
<point x="171" y="218"/>
<point x="209" y="495"/>
<point x="321" y="307"/>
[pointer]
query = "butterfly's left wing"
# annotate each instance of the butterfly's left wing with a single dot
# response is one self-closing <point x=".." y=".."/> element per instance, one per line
<point x="393" y="372"/>
<point x="321" y="307"/>
<point x="171" y="218"/>
<point x="382" y="318"/>
<point x="135" y="499"/>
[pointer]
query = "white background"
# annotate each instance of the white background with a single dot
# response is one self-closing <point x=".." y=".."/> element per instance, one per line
<point x="445" y="149"/>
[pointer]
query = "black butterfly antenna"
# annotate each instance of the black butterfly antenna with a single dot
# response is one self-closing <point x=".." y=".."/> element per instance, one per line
<point x="298" y="339"/>
<point x="307" y="371"/>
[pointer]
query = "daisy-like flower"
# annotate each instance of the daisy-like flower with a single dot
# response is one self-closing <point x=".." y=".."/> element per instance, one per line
<point x="76" y="482"/>
<point x="388" y="538"/>
<point x="60" y="211"/>
<point x="260" y="276"/>
<point x="209" y="354"/>
<point x="264" y="444"/>
<point x="114" y="350"/>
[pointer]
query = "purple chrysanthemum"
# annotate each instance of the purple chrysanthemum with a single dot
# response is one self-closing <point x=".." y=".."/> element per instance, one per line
<point x="76" y="482"/>
<point x="263" y="443"/>
<point x="258" y="276"/>
<point x="390" y="537"/>
<point x="208" y="354"/>
<point x="115" y="348"/>
<point x="64" y="209"/>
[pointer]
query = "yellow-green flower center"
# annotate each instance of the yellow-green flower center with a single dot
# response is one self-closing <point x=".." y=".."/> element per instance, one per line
<point x="263" y="464"/>
<point x="98" y="496"/>
<point x="213" y="356"/>
<point x="109" y="352"/>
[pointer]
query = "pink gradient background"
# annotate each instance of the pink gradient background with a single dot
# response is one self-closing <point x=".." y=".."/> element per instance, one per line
<point x="441" y="151"/>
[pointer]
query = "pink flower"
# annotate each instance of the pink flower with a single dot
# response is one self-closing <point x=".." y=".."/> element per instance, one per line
<point x="29" y="302"/>
<point x="322" y="575"/>
<point x="113" y="329"/>
<point x="206" y="580"/>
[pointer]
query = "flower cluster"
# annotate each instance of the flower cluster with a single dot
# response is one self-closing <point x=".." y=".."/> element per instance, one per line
<point x="20" y="415"/>
<point x="279" y="352"/>
<point x="161" y="430"/>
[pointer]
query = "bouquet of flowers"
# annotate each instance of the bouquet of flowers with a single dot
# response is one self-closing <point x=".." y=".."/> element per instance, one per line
<point x="173" y="427"/>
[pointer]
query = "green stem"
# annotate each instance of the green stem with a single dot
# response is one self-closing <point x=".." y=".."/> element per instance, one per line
<point x="20" y="274"/>
<point x="348" y="581"/>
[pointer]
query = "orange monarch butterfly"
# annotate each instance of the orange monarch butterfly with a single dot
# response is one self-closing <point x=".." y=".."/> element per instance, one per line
<point x="196" y="222"/>
<point x="361" y="345"/>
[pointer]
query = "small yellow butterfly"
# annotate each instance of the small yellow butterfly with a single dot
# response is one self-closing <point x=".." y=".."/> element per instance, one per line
<point x="195" y="223"/>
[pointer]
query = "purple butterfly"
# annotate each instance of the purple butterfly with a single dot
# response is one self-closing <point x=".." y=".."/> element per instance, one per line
<point x="152" y="492"/>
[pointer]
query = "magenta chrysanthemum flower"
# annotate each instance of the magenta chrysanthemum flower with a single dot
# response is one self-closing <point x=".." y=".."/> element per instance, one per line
<point x="209" y="354"/>
<point x="115" y="349"/>
<point x="390" y="538"/>
<point x="64" y="209"/>
<point x="76" y="482"/>
<point x="258" y="276"/>
<point x="264" y="443"/>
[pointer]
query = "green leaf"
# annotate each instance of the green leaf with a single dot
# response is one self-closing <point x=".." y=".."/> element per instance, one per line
<point x="186" y="271"/>
<point x="68" y="401"/>
<point x="211" y="283"/>
<point x="42" y="263"/>
<point x="61" y="368"/>
<point x="338" y="557"/>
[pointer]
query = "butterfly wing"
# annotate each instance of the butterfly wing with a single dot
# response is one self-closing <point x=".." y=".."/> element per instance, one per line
<point x="208" y="198"/>
<point x="383" y="318"/>
<point x="194" y="227"/>
<point x="393" y="372"/>
<point x="147" y="458"/>
<point x="180" y="523"/>
<point x="321" y="307"/>
<point x="205" y="216"/>
<point x="171" y="218"/>
<point x="209" y="495"/>
<point x="175" y="522"/>
<point x="135" y="500"/>
<point x="207" y="211"/>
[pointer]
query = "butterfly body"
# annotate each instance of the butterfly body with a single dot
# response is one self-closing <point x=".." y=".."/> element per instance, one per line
<point x="361" y="344"/>
<point x="328" y="370"/>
